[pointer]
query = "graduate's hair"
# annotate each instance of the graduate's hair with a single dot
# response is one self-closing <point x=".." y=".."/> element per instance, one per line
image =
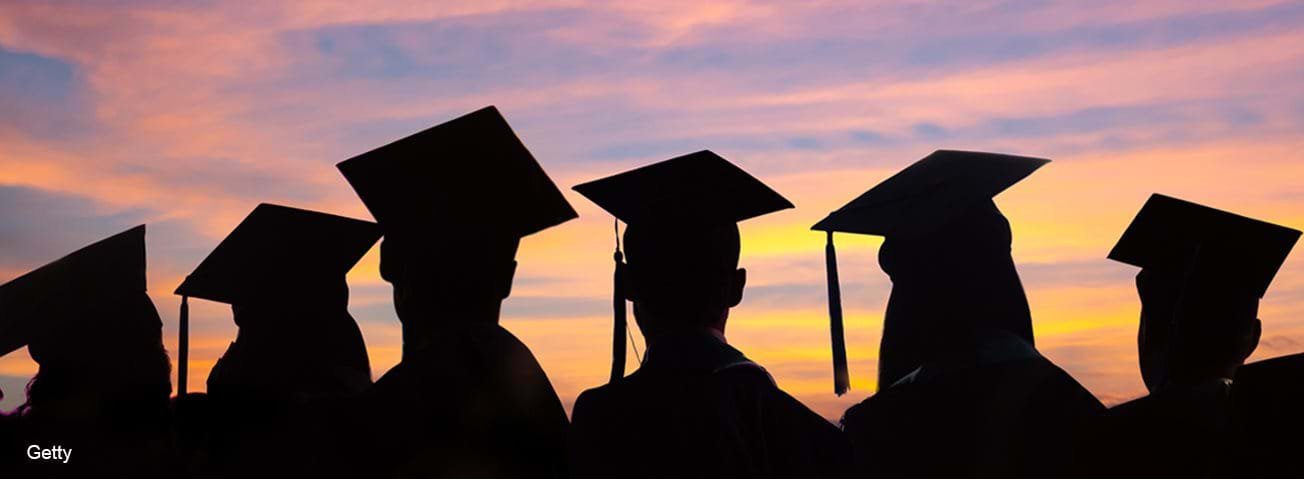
<point x="1204" y="324"/>
<point x="418" y="255"/>
<point x="684" y="269"/>
<point x="124" y="364"/>
<point x="949" y="289"/>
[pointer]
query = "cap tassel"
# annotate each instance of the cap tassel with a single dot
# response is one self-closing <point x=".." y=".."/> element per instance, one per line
<point x="841" y="378"/>
<point x="183" y="346"/>
<point x="618" y="323"/>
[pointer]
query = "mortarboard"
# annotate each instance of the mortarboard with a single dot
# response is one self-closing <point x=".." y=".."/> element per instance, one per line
<point x="916" y="201"/>
<point x="34" y="302"/>
<point x="924" y="196"/>
<point x="696" y="189"/>
<point x="273" y="251"/>
<point x="276" y="247"/>
<point x="469" y="172"/>
<point x="1205" y="242"/>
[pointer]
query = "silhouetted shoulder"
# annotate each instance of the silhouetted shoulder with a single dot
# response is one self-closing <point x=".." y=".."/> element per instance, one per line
<point x="1267" y="393"/>
<point x="742" y="381"/>
<point x="506" y="420"/>
<point x="728" y="422"/>
<point x="1180" y="432"/>
<point x="591" y="412"/>
<point x="1027" y="378"/>
<point x="1270" y="379"/>
<point x="9" y="442"/>
<point x="1014" y="419"/>
<point x="1266" y="399"/>
<point x="592" y="401"/>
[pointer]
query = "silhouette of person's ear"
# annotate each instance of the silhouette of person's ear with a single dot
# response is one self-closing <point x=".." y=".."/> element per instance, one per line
<point x="505" y="279"/>
<point x="1247" y="335"/>
<point x="1252" y="338"/>
<point x="737" y="283"/>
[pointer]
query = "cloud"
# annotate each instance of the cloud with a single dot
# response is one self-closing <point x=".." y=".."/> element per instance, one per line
<point x="39" y="226"/>
<point x="42" y="97"/>
<point x="15" y="389"/>
<point x="555" y="307"/>
<point x="1084" y="274"/>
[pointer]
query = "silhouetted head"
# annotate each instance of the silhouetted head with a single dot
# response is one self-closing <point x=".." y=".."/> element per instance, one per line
<point x="682" y="279"/>
<point x="296" y="345"/>
<point x="449" y="278"/>
<point x="1203" y="271"/>
<point x="947" y="250"/>
<point x="88" y="324"/>
<point x="682" y="241"/>
<point x="295" y="304"/>
<point x="947" y="288"/>
<point x="454" y="201"/>
<point x="111" y="368"/>
<point x="283" y="271"/>
<point x="1192" y="331"/>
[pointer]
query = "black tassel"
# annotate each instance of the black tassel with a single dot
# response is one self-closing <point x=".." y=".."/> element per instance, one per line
<point x="841" y="378"/>
<point x="183" y="347"/>
<point x="618" y="323"/>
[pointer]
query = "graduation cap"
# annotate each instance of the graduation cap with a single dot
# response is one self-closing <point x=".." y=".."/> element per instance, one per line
<point x="696" y="190"/>
<point x="276" y="251"/>
<point x="36" y="303"/>
<point x="917" y="201"/>
<point x="1205" y="243"/>
<point x="471" y="172"/>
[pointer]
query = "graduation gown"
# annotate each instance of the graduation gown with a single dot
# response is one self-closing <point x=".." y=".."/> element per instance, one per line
<point x="474" y="403"/>
<point x="1267" y="415"/>
<point x="11" y="458"/>
<point x="276" y="390"/>
<point x="698" y="408"/>
<point x="1176" y="433"/>
<point x="115" y="440"/>
<point x="1010" y="414"/>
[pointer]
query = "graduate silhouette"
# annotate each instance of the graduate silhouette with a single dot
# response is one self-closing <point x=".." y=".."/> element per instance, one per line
<point x="103" y="383"/>
<point x="468" y="398"/>
<point x="283" y="270"/>
<point x="1202" y="274"/>
<point x="696" y="407"/>
<point x="963" y="392"/>
<point x="297" y="350"/>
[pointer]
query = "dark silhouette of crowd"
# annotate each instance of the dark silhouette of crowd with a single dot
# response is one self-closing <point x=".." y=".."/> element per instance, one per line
<point x="963" y="391"/>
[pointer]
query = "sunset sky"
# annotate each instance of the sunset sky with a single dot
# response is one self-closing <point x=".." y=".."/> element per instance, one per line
<point x="185" y="115"/>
